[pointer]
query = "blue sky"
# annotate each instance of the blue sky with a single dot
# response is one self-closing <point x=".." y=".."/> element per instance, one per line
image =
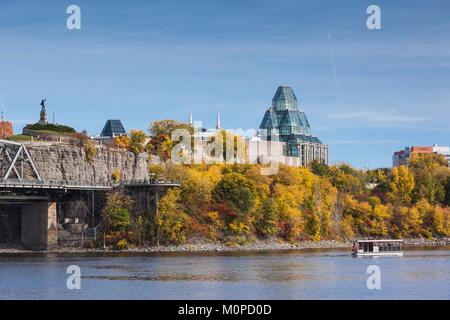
<point x="366" y="93"/>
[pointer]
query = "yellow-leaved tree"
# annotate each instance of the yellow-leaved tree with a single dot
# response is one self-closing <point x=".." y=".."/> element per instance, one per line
<point x="401" y="186"/>
<point x="172" y="223"/>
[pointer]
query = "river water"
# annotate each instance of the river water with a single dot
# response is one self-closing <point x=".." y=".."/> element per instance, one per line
<point x="305" y="274"/>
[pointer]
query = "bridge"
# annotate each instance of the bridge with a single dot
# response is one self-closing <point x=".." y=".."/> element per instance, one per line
<point x="15" y="184"/>
<point x="39" y="199"/>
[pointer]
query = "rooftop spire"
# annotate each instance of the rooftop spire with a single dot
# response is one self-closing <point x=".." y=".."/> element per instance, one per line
<point x="218" y="125"/>
<point x="191" y="122"/>
<point x="2" y="103"/>
<point x="2" y="110"/>
<point x="284" y="99"/>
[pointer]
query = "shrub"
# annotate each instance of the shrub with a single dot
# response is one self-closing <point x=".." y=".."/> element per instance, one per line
<point x="81" y="138"/>
<point x="50" y="127"/>
<point x="116" y="175"/>
<point x="122" y="142"/>
<point x="122" y="244"/>
<point x="89" y="149"/>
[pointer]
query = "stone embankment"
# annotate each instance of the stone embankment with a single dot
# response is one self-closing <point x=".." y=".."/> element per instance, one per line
<point x="423" y="242"/>
<point x="260" y="245"/>
<point x="70" y="162"/>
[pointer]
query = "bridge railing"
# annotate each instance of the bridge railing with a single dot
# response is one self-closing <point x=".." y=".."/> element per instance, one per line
<point x="55" y="183"/>
<point x="22" y="181"/>
<point x="86" y="184"/>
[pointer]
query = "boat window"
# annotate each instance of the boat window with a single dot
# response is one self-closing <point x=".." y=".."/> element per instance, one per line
<point x="383" y="246"/>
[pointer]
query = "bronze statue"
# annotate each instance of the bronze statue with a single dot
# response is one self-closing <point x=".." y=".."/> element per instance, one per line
<point x="43" y="115"/>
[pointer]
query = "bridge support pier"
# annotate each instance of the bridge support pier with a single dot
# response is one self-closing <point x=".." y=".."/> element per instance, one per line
<point x="39" y="225"/>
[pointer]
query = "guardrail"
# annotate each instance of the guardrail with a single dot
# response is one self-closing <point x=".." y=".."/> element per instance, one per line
<point x="53" y="184"/>
<point x="82" y="185"/>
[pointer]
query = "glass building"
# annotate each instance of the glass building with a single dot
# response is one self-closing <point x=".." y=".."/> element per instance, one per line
<point x="284" y="122"/>
<point x="113" y="128"/>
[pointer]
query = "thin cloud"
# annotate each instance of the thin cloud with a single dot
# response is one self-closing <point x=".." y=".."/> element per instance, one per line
<point x="369" y="117"/>
<point x="364" y="142"/>
<point x="20" y="121"/>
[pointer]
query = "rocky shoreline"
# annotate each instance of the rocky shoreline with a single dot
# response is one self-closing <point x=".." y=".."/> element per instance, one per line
<point x="422" y="242"/>
<point x="259" y="245"/>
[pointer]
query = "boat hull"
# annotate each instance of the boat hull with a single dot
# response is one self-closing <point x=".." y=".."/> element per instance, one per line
<point x="378" y="254"/>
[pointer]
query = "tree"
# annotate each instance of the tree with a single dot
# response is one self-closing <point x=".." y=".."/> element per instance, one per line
<point x="366" y="220"/>
<point x="288" y="201"/>
<point x="137" y="141"/>
<point x="115" y="214"/>
<point x="425" y="210"/>
<point x="438" y="222"/>
<point x="347" y="179"/>
<point x="346" y="228"/>
<point x="166" y="127"/>
<point x="291" y="223"/>
<point x="446" y="201"/>
<point x="378" y="220"/>
<point x="134" y="143"/>
<point x="267" y="223"/>
<point x="414" y="222"/>
<point x="160" y="143"/>
<point x="313" y="226"/>
<point x="319" y="168"/>
<point x="237" y="191"/>
<point x="122" y="142"/>
<point x="196" y="190"/>
<point x="240" y="228"/>
<point x="120" y="219"/>
<point x="6" y="129"/>
<point x="401" y="186"/>
<point x="172" y="222"/>
<point x="430" y="174"/>
<point x="324" y="204"/>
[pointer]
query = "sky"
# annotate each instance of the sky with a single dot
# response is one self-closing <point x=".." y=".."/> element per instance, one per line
<point x="366" y="93"/>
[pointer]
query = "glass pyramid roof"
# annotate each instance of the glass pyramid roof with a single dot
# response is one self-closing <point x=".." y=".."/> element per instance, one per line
<point x="113" y="128"/>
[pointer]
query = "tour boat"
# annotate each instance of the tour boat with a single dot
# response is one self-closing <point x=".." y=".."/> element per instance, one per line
<point x="371" y="248"/>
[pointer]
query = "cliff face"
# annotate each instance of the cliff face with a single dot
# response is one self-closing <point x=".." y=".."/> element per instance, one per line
<point x="67" y="162"/>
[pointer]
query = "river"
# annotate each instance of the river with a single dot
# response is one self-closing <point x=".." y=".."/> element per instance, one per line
<point x="422" y="273"/>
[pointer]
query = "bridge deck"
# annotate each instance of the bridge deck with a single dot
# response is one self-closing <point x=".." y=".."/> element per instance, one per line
<point x="80" y="185"/>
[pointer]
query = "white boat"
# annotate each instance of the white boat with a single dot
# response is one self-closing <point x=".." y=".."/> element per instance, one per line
<point x="371" y="248"/>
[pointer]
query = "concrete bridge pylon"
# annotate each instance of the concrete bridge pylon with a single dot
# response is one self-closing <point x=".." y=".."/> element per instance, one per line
<point x="39" y="225"/>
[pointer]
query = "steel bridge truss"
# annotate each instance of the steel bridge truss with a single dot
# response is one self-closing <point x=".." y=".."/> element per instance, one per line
<point x="16" y="156"/>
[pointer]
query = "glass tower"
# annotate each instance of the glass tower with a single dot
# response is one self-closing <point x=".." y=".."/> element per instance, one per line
<point x="290" y="125"/>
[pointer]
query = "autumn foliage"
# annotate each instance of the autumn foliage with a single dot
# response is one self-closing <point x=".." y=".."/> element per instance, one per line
<point x="135" y="142"/>
<point x="235" y="204"/>
<point x="6" y="129"/>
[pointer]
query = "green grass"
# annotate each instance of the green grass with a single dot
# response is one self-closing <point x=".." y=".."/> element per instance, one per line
<point x="19" y="138"/>
<point x="53" y="133"/>
<point x="23" y="137"/>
